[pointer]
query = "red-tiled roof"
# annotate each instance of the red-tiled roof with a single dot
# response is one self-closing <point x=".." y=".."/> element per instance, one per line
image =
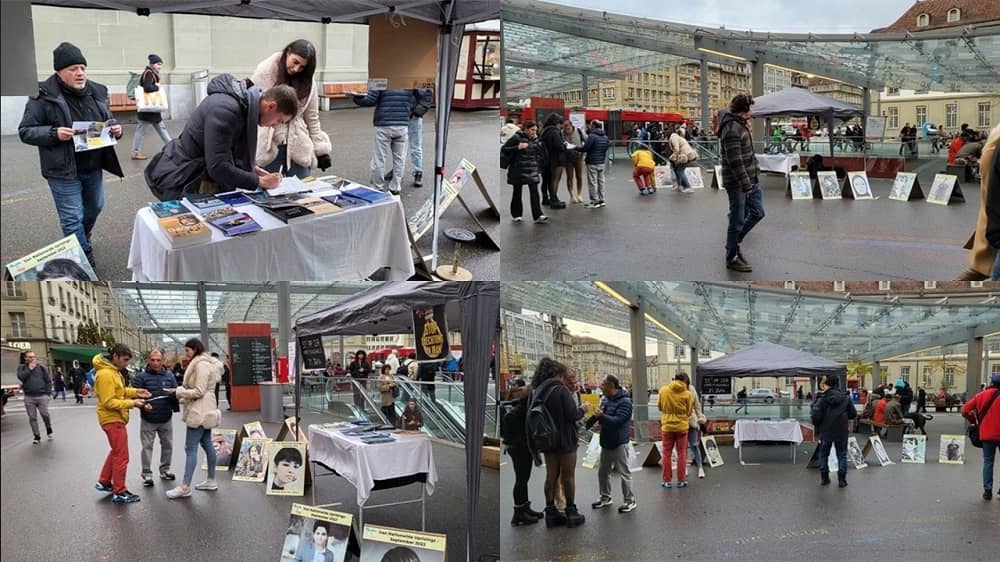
<point x="972" y="12"/>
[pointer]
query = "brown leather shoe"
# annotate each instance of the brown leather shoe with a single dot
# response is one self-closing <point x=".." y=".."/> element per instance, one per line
<point x="138" y="157"/>
<point x="972" y="275"/>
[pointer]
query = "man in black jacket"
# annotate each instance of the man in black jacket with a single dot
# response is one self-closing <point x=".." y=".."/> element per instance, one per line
<point x="830" y="414"/>
<point x="157" y="421"/>
<point x="75" y="178"/>
<point x="216" y="150"/>
<point x="740" y="176"/>
<point x="37" y="387"/>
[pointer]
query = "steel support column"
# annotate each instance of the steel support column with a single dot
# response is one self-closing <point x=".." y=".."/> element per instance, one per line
<point x="705" y="117"/>
<point x="202" y="314"/>
<point x="640" y="388"/>
<point x="756" y="90"/>
<point x="585" y="90"/>
<point x="974" y="367"/>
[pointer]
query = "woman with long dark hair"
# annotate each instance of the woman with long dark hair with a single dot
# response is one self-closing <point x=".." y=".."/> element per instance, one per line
<point x="302" y="144"/>
<point x="360" y="369"/>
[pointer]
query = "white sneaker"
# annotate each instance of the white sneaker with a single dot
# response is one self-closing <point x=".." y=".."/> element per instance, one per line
<point x="207" y="485"/>
<point x="518" y="219"/>
<point x="179" y="492"/>
<point x="542" y="219"/>
<point x="701" y="472"/>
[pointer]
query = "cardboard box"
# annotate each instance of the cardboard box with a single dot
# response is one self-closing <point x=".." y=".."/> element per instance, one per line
<point x="406" y="56"/>
<point x="491" y="457"/>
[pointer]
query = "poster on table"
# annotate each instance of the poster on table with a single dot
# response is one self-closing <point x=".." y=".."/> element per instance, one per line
<point x="255" y="430"/>
<point x="915" y="448"/>
<point x="860" y="186"/>
<point x="316" y="534"/>
<point x="952" y="449"/>
<point x="874" y="128"/>
<point x="693" y="174"/>
<point x="717" y="178"/>
<point x="801" y="185"/>
<point x="430" y="330"/>
<point x="663" y="176"/>
<point x="222" y="441"/>
<point x="829" y="185"/>
<point x="60" y="261"/>
<point x="942" y="189"/>
<point x="593" y="454"/>
<point x="855" y="454"/>
<point x="902" y="187"/>
<point x="578" y="119"/>
<point x="881" y="456"/>
<point x="253" y="459"/>
<point x="288" y="469"/>
<point x="712" y="451"/>
<point x="379" y="544"/>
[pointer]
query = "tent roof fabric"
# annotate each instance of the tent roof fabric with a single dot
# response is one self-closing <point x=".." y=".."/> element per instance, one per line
<point x="388" y="308"/>
<point x="798" y="101"/>
<point x="770" y="360"/>
<point x="342" y="11"/>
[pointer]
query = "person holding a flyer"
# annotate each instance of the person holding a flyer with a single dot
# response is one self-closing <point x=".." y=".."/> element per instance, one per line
<point x="76" y="178"/>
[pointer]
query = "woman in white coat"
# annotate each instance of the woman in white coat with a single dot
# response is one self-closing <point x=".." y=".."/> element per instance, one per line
<point x="200" y="414"/>
<point x="301" y="145"/>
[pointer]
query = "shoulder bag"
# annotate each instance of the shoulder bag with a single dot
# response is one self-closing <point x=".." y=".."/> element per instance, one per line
<point x="973" y="430"/>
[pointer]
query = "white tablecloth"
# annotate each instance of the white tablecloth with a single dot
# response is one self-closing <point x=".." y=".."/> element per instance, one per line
<point x="348" y="245"/>
<point x="767" y="430"/>
<point x="781" y="163"/>
<point x="362" y="464"/>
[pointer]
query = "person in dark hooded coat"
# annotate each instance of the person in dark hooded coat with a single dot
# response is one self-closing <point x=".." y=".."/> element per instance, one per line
<point x="216" y="150"/>
<point x="830" y="414"/>
<point x="524" y="155"/>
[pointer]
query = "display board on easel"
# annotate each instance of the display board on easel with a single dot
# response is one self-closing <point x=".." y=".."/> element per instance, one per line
<point x="285" y="434"/>
<point x="906" y="187"/>
<point x="945" y="190"/>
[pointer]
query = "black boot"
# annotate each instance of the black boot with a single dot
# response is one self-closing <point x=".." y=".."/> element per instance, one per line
<point x="418" y="179"/>
<point x="824" y="478"/>
<point x="553" y="518"/>
<point x="842" y="479"/>
<point x="532" y="513"/>
<point x="573" y="517"/>
<point x="521" y="517"/>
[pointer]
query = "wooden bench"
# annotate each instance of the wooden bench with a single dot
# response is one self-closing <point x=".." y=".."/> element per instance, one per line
<point x="121" y="103"/>
<point x="892" y="432"/>
<point x="339" y="91"/>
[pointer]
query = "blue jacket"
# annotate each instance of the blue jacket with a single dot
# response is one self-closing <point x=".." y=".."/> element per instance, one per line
<point x="157" y="385"/>
<point x="615" y="423"/>
<point x="596" y="147"/>
<point x="392" y="107"/>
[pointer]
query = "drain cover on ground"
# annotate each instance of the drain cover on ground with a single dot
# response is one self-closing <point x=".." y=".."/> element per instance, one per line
<point x="460" y="235"/>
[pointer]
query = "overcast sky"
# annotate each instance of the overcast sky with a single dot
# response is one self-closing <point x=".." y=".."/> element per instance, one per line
<point x="796" y="16"/>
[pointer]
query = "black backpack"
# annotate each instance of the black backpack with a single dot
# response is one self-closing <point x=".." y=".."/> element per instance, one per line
<point x="505" y="158"/>
<point x="542" y="433"/>
<point x="403" y="370"/>
<point x="513" y="428"/>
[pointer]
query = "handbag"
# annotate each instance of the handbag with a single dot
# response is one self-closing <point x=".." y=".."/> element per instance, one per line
<point x="973" y="430"/>
<point x="150" y="102"/>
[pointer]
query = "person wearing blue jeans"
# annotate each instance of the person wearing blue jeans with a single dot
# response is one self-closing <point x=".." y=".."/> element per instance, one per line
<point x="745" y="211"/>
<point x="75" y="178"/>
<point x="420" y="101"/>
<point x="983" y="411"/>
<point x="740" y="175"/>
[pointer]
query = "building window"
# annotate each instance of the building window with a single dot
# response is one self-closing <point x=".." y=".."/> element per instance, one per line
<point x="838" y="286"/>
<point x="951" y="115"/>
<point x="631" y="93"/>
<point x="984" y="114"/>
<point x="790" y="285"/>
<point x="921" y="114"/>
<point x="927" y="376"/>
<point x="954" y="15"/>
<point x="994" y="370"/>
<point x="904" y="373"/>
<point x="884" y="285"/>
<point x="976" y="284"/>
<point x="704" y="353"/>
<point x="893" y="92"/>
<point x="930" y="284"/>
<point x="949" y="377"/>
<point x="923" y="20"/>
<point x="14" y="289"/>
<point x="680" y="351"/>
<point x="107" y="317"/>
<point x="893" y="117"/>
<point x="18" y="325"/>
<point x="884" y="375"/>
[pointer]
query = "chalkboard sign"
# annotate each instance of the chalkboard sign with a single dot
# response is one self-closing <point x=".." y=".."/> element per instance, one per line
<point x="313" y="354"/>
<point x="716" y="385"/>
<point x="251" y="359"/>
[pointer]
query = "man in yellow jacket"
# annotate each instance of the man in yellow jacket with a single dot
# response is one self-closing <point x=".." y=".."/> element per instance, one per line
<point x="675" y="406"/>
<point x="114" y="400"/>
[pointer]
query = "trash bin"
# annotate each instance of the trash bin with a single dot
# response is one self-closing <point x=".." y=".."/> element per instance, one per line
<point x="271" y="405"/>
<point x="199" y="84"/>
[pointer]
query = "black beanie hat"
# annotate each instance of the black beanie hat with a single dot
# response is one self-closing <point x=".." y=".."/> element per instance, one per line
<point x="153" y="59"/>
<point x="67" y="54"/>
<point x="832" y="381"/>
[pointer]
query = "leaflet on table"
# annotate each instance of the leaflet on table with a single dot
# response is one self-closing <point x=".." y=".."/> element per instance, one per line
<point x="92" y="135"/>
<point x="231" y="222"/>
<point x="291" y="184"/>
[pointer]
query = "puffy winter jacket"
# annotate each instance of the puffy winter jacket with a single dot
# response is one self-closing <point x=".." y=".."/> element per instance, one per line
<point x="739" y="164"/>
<point x="596" y="147"/>
<point x="157" y="384"/>
<point x="392" y="107"/>
<point x="830" y="411"/>
<point x="675" y="406"/>
<point x="114" y="399"/>
<point x="615" y="422"/>
<point x="420" y="101"/>
<point x="989" y="427"/>
<point x="196" y="394"/>
<point x="46" y="112"/>
<point x="525" y="165"/>
<point x="218" y="144"/>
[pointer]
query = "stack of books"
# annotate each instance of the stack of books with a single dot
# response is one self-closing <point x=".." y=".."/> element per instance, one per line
<point x="182" y="227"/>
<point x="231" y="222"/>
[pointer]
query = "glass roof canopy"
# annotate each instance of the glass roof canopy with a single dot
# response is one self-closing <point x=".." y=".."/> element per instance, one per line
<point x="725" y="317"/>
<point x="573" y="41"/>
<point x="170" y="310"/>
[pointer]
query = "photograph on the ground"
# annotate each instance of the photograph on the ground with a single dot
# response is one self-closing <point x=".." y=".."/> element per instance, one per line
<point x="801" y="185"/>
<point x="694" y="178"/>
<point x="879" y="448"/>
<point x="316" y="534"/>
<point x="286" y="476"/>
<point x="712" y="451"/>
<point x="255" y="430"/>
<point x="902" y="186"/>
<point x="859" y="185"/>
<point x="952" y="449"/>
<point x="829" y="185"/>
<point x="387" y="544"/>
<point x="914" y="449"/>
<point x="253" y="459"/>
<point x="222" y="441"/>
<point x="941" y="189"/>
<point x="855" y="453"/>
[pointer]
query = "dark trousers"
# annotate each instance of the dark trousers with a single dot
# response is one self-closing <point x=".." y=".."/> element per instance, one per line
<point x="745" y="211"/>
<point x="824" y="455"/>
<point x="521" y="459"/>
<point x="390" y="413"/>
<point x="560" y="468"/>
<point x="428" y="388"/>
<point x="517" y="207"/>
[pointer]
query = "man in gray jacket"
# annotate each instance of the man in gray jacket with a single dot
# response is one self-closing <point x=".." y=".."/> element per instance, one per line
<point x="740" y="176"/>
<point x="37" y="387"/>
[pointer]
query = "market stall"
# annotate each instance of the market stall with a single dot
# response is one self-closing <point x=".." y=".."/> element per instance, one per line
<point x="799" y="102"/>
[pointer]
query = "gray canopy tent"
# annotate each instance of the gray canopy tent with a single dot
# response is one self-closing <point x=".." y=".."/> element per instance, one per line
<point x="451" y="15"/>
<point x="771" y="360"/>
<point x="799" y="101"/>
<point x="388" y="308"/>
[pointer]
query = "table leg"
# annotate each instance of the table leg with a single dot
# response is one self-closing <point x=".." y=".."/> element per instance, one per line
<point x="741" y="457"/>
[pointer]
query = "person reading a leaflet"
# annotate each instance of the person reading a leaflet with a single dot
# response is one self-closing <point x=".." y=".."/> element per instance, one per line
<point x="286" y="466"/>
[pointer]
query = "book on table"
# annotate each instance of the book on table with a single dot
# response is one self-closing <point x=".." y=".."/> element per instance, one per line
<point x="231" y="222"/>
<point x="234" y="198"/>
<point x="318" y="206"/>
<point x="344" y="202"/>
<point x="365" y="194"/>
<point x="203" y="203"/>
<point x="184" y="230"/>
<point x="288" y="213"/>
<point x="164" y="209"/>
